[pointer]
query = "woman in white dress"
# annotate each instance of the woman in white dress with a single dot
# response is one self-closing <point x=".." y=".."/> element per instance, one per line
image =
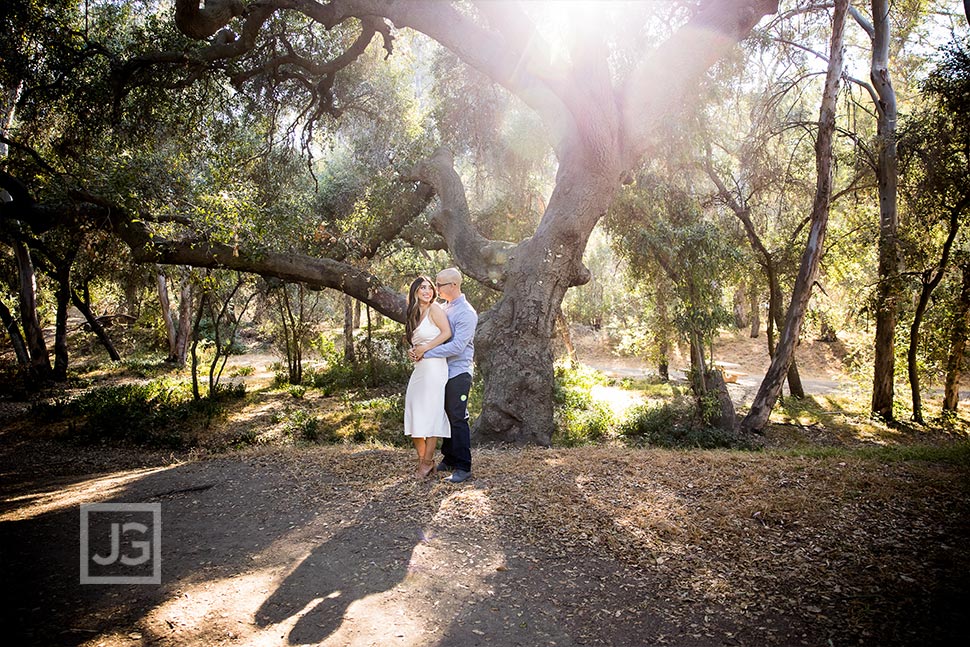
<point x="425" y="419"/>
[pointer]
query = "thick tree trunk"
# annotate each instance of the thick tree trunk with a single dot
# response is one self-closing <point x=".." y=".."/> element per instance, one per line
<point x="887" y="293"/>
<point x="40" y="363"/>
<point x="166" y="307"/>
<point x="96" y="326"/>
<point x="958" y="345"/>
<point x="16" y="339"/>
<point x="513" y="342"/>
<point x="770" y="387"/>
<point x="567" y="340"/>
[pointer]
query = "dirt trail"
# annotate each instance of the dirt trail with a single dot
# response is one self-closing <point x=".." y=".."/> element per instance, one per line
<point x="338" y="546"/>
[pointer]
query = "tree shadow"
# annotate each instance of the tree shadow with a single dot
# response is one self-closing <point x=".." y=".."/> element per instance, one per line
<point x="368" y="557"/>
<point x="220" y="518"/>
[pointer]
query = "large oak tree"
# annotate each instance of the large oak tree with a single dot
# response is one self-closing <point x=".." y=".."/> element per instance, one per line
<point x="602" y="123"/>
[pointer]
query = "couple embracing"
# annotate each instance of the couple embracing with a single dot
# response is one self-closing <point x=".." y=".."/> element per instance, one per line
<point x="442" y="344"/>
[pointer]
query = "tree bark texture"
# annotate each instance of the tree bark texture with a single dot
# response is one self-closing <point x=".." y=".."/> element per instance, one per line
<point x="166" y="306"/>
<point x="16" y="339"/>
<point x="770" y="387"/>
<point x="183" y="333"/>
<point x="958" y="345"/>
<point x="887" y="172"/>
<point x="513" y="341"/>
<point x="562" y="325"/>
<point x="350" y="356"/>
<point x="40" y="363"/>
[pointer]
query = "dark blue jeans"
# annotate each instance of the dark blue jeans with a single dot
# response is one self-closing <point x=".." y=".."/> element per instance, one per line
<point x="457" y="450"/>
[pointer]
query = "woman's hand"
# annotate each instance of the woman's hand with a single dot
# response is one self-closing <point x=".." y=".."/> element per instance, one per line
<point x="415" y="353"/>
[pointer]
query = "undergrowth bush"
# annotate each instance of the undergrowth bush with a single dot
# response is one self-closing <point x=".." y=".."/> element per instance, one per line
<point x="580" y="419"/>
<point x="382" y="362"/>
<point x="159" y="413"/>
<point x="674" y="424"/>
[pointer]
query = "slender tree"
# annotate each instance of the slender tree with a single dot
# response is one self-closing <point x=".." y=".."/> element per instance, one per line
<point x="887" y="174"/>
<point x="770" y="388"/>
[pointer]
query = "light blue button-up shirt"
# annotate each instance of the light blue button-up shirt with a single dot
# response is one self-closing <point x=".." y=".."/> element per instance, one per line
<point x="460" y="349"/>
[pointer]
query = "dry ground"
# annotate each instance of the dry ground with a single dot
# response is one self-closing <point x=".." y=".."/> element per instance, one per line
<point x="605" y="546"/>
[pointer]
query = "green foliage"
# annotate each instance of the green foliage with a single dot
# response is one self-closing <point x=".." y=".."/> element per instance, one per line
<point x="301" y="425"/>
<point x="674" y="424"/>
<point x="159" y="413"/>
<point x="381" y="361"/>
<point x="579" y="418"/>
<point x="680" y="252"/>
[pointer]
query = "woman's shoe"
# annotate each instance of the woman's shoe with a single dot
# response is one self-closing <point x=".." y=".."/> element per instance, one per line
<point x="425" y="468"/>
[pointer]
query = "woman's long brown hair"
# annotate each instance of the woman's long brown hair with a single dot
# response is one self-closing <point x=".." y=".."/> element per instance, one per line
<point x="414" y="311"/>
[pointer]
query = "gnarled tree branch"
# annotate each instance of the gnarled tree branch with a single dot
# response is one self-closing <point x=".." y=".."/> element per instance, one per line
<point x="478" y="257"/>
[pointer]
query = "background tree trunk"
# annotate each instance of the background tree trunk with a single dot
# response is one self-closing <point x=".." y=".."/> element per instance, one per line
<point x="350" y="355"/>
<point x="40" y="363"/>
<point x="755" y="313"/>
<point x="16" y="339"/>
<point x="166" y="306"/>
<point x="96" y="326"/>
<point x="958" y="344"/>
<point x="63" y="296"/>
<point x="887" y="293"/>
<point x="740" y="316"/>
<point x="184" y="332"/>
<point x="770" y="387"/>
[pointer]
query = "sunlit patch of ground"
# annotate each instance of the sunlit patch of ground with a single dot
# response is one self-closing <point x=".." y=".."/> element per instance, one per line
<point x="58" y="498"/>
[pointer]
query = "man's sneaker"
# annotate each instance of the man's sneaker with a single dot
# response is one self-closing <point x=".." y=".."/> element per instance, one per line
<point x="444" y="467"/>
<point x="459" y="476"/>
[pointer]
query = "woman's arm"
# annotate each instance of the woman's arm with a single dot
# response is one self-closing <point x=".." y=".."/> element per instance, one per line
<point x="441" y="320"/>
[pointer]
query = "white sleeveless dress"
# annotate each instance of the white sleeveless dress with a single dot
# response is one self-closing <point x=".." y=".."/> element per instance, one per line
<point x="424" y="402"/>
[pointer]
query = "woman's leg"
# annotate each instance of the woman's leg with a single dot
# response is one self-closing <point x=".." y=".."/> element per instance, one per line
<point x="430" y="445"/>
<point x="419" y="444"/>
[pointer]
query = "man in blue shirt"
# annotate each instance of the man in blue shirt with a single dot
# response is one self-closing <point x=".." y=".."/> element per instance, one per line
<point x="459" y="351"/>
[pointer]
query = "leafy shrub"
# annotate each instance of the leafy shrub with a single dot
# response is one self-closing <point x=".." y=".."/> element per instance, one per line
<point x="159" y="413"/>
<point x="383" y="364"/>
<point x="579" y="418"/>
<point x="379" y="419"/>
<point x="302" y="425"/>
<point x="674" y="424"/>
